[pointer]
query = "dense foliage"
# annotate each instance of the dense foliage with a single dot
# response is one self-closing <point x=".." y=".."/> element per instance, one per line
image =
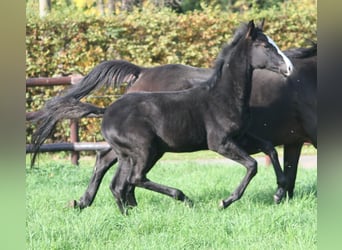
<point x="147" y="36"/>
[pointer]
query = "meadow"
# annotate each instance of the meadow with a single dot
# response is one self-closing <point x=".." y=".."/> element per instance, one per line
<point x="159" y="222"/>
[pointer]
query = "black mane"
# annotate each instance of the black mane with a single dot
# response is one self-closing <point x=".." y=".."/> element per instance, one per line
<point x="224" y="54"/>
<point x="301" y="53"/>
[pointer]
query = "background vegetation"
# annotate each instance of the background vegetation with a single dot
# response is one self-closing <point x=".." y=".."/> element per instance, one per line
<point x="75" y="39"/>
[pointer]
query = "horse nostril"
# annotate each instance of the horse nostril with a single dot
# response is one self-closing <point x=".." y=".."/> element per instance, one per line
<point x="286" y="71"/>
<point x="290" y="69"/>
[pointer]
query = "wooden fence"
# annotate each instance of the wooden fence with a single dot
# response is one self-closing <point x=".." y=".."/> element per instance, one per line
<point x="74" y="146"/>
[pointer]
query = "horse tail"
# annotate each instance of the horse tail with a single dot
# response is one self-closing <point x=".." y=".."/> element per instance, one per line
<point x="107" y="74"/>
<point x="69" y="108"/>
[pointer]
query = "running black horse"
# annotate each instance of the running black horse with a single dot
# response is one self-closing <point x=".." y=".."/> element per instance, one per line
<point x="283" y="110"/>
<point x="141" y="127"/>
<point x="212" y="116"/>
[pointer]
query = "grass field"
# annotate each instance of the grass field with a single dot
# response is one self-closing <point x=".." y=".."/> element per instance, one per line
<point x="159" y="222"/>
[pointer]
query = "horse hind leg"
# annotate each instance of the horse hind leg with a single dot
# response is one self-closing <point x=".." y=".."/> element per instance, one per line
<point x="138" y="177"/>
<point x="120" y="186"/>
<point x="104" y="161"/>
<point x="163" y="189"/>
<point x="130" y="196"/>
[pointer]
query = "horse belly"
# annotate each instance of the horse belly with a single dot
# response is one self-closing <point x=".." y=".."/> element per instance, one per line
<point x="178" y="139"/>
<point x="277" y="131"/>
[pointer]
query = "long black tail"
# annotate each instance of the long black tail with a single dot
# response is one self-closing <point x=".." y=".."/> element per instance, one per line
<point x="66" y="109"/>
<point x="106" y="74"/>
<point x="68" y="105"/>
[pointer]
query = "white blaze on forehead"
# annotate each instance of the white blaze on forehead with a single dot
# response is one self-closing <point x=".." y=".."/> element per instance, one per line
<point x="288" y="63"/>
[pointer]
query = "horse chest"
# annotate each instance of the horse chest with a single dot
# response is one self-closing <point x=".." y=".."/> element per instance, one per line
<point x="229" y="117"/>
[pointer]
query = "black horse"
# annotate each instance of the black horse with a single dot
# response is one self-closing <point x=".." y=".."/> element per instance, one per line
<point x="140" y="127"/>
<point x="282" y="110"/>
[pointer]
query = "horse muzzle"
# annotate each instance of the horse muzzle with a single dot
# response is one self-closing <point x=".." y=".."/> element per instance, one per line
<point x="286" y="68"/>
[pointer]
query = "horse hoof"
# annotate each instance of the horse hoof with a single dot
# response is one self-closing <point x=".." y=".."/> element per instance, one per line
<point x="276" y="199"/>
<point x="221" y="205"/>
<point x="279" y="195"/>
<point x="125" y="212"/>
<point x="290" y="194"/>
<point x="189" y="202"/>
<point x="73" y="204"/>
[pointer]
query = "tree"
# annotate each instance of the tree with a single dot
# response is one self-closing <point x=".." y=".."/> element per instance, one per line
<point x="111" y="7"/>
<point x="44" y="7"/>
<point x="127" y="5"/>
<point x="100" y="5"/>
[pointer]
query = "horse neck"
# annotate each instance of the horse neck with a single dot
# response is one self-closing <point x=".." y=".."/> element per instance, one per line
<point x="235" y="85"/>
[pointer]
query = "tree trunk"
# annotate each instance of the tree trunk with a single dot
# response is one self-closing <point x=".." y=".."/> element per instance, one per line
<point x="100" y="6"/>
<point x="44" y="7"/>
<point x="126" y="5"/>
<point x="111" y="7"/>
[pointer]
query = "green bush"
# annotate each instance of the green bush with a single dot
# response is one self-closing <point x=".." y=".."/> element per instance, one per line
<point x="146" y="37"/>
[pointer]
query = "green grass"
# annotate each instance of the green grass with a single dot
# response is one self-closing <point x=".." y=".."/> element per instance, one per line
<point x="159" y="222"/>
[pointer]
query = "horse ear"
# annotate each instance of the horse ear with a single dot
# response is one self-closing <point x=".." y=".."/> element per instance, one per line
<point x="261" y="24"/>
<point x="250" y="29"/>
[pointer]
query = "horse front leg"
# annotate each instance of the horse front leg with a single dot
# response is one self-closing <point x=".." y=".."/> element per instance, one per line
<point x="291" y="158"/>
<point x="104" y="161"/>
<point x="252" y="142"/>
<point x="232" y="151"/>
<point x="267" y="148"/>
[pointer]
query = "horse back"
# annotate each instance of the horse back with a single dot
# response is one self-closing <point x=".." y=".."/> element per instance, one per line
<point x="170" y="77"/>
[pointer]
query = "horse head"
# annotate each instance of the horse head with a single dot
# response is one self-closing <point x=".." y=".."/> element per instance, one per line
<point x="265" y="52"/>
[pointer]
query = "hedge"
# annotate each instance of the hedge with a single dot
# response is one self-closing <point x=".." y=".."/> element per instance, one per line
<point x="146" y="37"/>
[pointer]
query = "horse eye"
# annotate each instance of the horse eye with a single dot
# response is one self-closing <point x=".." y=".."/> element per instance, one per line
<point x="263" y="45"/>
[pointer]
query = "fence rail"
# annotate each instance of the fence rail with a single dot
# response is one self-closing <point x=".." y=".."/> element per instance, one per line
<point x="74" y="146"/>
<point x="52" y="81"/>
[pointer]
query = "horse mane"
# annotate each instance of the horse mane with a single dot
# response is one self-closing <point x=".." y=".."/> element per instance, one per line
<point x="238" y="34"/>
<point x="226" y="51"/>
<point x="301" y="53"/>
